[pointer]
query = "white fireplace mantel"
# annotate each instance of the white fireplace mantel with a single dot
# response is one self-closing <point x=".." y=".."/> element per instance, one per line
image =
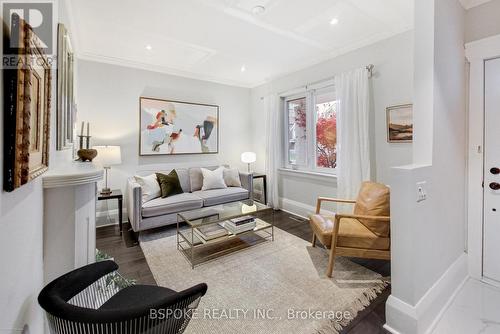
<point x="69" y="216"/>
<point x="72" y="174"/>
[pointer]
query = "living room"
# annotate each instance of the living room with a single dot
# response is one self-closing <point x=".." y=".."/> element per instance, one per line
<point x="254" y="166"/>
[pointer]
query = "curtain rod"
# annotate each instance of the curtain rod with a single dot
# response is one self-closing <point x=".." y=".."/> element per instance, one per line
<point x="369" y="68"/>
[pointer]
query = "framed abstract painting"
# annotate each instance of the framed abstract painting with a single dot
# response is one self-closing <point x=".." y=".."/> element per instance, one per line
<point x="400" y="124"/>
<point x="173" y="127"/>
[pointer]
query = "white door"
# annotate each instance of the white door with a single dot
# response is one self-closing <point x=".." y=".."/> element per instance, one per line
<point x="491" y="237"/>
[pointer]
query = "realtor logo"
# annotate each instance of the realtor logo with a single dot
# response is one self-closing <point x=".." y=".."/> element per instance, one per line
<point x="39" y="15"/>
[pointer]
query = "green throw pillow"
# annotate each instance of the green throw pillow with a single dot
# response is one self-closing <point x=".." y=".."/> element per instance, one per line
<point x="169" y="184"/>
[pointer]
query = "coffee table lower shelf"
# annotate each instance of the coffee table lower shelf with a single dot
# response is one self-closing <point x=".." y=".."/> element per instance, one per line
<point x="198" y="251"/>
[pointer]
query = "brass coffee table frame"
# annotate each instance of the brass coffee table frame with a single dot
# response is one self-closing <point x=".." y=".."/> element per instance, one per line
<point x="189" y="244"/>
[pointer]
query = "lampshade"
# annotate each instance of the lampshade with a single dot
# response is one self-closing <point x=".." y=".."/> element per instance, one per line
<point x="108" y="155"/>
<point x="248" y="157"/>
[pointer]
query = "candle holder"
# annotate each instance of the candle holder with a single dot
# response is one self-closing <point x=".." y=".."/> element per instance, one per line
<point x="86" y="154"/>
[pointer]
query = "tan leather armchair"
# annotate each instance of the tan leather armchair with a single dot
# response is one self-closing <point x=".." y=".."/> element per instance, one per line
<point x="364" y="233"/>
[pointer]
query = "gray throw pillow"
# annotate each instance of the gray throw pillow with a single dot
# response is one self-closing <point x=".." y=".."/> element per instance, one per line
<point x="232" y="177"/>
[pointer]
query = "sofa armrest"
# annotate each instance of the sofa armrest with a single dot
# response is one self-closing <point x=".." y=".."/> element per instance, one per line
<point x="246" y="180"/>
<point x="134" y="203"/>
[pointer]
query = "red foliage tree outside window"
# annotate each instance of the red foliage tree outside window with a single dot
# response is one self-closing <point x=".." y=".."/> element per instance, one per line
<point x="326" y="136"/>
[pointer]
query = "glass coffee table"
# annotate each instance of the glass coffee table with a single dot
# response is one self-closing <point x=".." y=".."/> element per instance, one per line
<point x="205" y="236"/>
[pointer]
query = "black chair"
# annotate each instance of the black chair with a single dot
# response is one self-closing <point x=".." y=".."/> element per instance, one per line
<point x="96" y="299"/>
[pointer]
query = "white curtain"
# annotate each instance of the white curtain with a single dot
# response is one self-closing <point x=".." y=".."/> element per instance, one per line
<point x="353" y="144"/>
<point x="273" y="148"/>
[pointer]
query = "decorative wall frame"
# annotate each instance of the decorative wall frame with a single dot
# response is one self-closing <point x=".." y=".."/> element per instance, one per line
<point x="400" y="123"/>
<point x="170" y="127"/>
<point x="26" y="108"/>
<point x="65" y="90"/>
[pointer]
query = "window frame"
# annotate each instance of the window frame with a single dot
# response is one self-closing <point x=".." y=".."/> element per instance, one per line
<point x="311" y="142"/>
<point x="322" y="170"/>
<point x="286" y="132"/>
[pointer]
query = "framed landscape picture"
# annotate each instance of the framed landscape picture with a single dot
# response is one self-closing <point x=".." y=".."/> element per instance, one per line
<point x="172" y="127"/>
<point x="400" y="124"/>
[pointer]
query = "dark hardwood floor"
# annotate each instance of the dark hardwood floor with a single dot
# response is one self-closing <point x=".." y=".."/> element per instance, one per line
<point x="126" y="252"/>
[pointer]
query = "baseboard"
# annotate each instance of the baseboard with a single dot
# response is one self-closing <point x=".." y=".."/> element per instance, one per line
<point x="391" y="330"/>
<point x="423" y="317"/>
<point x="111" y="213"/>
<point x="299" y="209"/>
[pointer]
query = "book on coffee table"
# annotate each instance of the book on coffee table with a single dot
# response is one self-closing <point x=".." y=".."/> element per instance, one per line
<point x="236" y="229"/>
<point x="210" y="232"/>
<point x="242" y="220"/>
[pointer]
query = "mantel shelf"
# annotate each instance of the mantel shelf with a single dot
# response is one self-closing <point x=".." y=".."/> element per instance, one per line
<point x="72" y="174"/>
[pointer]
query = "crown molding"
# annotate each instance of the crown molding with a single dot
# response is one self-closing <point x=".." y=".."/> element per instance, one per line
<point x="162" y="69"/>
<point x="223" y="81"/>
<point x="468" y="4"/>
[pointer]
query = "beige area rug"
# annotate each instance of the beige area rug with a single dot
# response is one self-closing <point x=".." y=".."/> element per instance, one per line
<point x="272" y="287"/>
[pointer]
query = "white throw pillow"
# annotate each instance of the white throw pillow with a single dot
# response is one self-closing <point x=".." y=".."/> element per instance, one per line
<point x="150" y="187"/>
<point x="232" y="177"/>
<point x="213" y="179"/>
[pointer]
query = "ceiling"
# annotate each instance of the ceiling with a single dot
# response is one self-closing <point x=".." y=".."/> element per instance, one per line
<point x="213" y="39"/>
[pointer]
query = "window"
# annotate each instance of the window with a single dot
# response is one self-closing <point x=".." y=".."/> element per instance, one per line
<point x="311" y="131"/>
<point x="326" y="131"/>
<point x="297" y="131"/>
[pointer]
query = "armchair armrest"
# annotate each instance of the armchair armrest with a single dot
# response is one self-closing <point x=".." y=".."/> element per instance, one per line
<point x="327" y="199"/>
<point x="377" y="218"/>
<point x="246" y="180"/>
<point x="134" y="203"/>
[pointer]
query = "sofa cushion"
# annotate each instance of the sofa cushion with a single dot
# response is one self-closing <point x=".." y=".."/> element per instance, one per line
<point x="219" y="196"/>
<point x="169" y="184"/>
<point x="173" y="204"/>
<point x="232" y="177"/>
<point x="183" y="175"/>
<point x="213" y="179"/>
<point x="373" y="200"/>
<point x="150" y="187"/>
<point x="196" y="177"/>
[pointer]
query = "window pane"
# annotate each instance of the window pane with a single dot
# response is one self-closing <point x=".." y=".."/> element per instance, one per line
<point x="326" y="131"/>
<point x="297" y="140"/>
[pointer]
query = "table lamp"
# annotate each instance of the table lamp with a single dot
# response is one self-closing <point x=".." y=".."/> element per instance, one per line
<point x="108" y="156"/>
<point x="248" y="158"/>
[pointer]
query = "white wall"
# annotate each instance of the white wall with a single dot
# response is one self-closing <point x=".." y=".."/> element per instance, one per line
<point x="108" y="97"/>
<point x="21" y="237"/>
<point x="392" y="84"/>
<point x="427" y="239"/>
<point x="482" y="21"/>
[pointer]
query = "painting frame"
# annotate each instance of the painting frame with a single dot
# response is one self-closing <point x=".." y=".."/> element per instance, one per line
<point x="404" y="130"/>
<point x="215" y="109"/>
<point x="27" y="108"/>
<point x="65" y="115"/>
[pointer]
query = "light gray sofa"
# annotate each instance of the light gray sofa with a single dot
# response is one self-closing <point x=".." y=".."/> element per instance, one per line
<point x="163" y="211"/>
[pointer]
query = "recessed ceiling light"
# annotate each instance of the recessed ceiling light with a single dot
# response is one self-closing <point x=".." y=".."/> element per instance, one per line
<point x="243" y="68"/>
<point x="334" y="21"/>
<point x="149" y="47"/>
<point x="258" y="10"/>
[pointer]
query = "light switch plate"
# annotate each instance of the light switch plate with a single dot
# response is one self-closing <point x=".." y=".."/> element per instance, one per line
<point x="421" y="191"/>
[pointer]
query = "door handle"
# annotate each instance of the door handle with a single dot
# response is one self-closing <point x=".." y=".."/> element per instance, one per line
<point x="495" y="170"/>
<point x="495" y="186"/>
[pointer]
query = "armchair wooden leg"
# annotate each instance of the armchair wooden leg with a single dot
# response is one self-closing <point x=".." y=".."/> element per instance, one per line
<point x="314" y="240"/>
<point x="331" y="261"/>
<point x="333" y="250"/>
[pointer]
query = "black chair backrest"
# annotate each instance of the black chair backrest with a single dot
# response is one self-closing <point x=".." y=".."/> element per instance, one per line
<point x="55" y="296"/>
